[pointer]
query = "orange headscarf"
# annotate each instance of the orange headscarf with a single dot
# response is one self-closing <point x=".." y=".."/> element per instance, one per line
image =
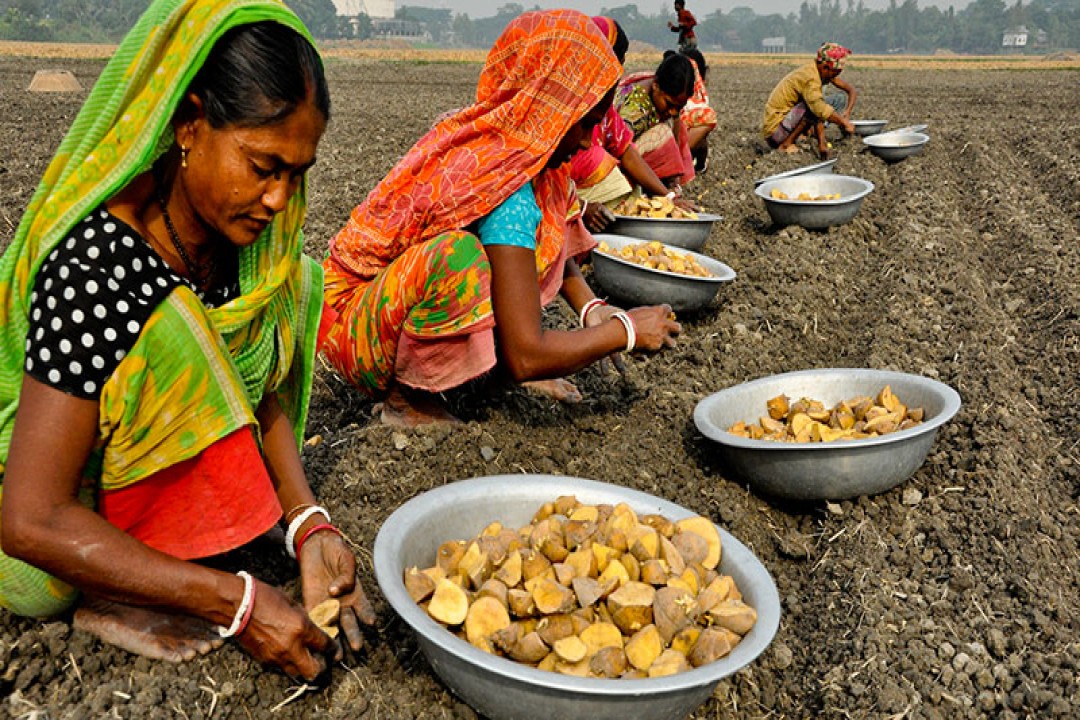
<point x="544" y="73"/>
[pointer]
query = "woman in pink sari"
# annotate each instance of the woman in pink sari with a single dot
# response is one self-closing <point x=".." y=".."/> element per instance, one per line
<point x="651" y="103"/>
<point x="610" y="168"/>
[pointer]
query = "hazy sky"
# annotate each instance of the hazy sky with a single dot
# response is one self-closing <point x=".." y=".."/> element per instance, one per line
<point x="700" y="8"/>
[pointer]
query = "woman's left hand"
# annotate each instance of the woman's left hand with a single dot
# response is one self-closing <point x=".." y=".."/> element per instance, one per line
<point x="328" y="570"/>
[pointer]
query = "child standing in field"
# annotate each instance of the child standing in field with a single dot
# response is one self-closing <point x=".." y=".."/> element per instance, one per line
<point x="797" y="103"/>
<point x="685" y="26"/>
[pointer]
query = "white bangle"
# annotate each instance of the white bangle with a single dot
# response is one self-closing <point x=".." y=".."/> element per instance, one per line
<point x="628" y="324"/>
<point x="245" y="603"/>
<point x="584" y="207"/>
<point x="294" y="527"/>
<point x="587" y="308"/>
<point x="671" y="195"/>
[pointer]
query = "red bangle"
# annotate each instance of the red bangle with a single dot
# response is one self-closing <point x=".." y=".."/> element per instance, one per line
<point x="314" y="529"/>
<point x="247" y="613"/>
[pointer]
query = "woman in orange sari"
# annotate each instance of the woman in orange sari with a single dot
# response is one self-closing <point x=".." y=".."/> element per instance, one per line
<point x="441" y="273"/>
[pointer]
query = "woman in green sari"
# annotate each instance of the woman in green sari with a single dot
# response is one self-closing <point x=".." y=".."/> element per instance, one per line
<point x="158" y="323"/>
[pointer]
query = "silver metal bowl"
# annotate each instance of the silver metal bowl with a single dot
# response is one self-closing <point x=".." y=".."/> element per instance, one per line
<point x="681" y="232"/>
<point x="869" y="127"/>
<point x="820" y="168"/>
<point x="918" y="128"/>
<point x="501" y="689"/>
<point x="825" y="470"/>
<point x="639" y="285"/>
<point x="814" y="214"/>
<point x="894" y="146"/>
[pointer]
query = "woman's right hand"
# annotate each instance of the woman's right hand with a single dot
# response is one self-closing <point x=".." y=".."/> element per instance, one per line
<point x="597" y="217"/>
<point x="281" y="633"/>
<point x="655" y="327"/>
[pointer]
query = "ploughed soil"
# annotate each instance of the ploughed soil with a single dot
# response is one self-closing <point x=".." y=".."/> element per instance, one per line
<point x="954" y="595"/>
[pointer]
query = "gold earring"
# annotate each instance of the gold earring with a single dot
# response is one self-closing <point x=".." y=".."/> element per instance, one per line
<point x="183" y="157"/>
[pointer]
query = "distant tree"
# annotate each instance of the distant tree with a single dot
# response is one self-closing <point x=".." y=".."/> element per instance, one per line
<point x="320" y="16"/>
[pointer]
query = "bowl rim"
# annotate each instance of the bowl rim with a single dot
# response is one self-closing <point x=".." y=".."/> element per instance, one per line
<point x="950" y="400"/>
<point x="869" y="123"/>
<point x="868" y="187"/>
<point x="701" y="218"/>
<point x="804" y="170"/>
<point x="876" y="141"/>
<point x="916" y="128"/>
<point x="393" y="589"/>
<point x="721" y="271"/>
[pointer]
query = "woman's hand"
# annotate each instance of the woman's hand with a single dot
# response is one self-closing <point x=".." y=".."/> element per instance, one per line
<point x="686" y="204"/>
<point x="597" y="316"/>
<point x="655" y="327"/>
<point x="597" y="217"/>
<point x="280" y="633"/>
<point x="328" y="570"/>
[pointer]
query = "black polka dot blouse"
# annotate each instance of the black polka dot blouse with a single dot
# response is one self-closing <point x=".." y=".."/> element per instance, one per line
<point x="91" y="298"/>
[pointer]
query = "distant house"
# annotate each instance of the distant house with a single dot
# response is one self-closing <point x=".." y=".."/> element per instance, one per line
<point x="382" y="9"/>
<point x="1015" y="38"/>
<point x="774" y="44"/>
<point x="400" y="30"/>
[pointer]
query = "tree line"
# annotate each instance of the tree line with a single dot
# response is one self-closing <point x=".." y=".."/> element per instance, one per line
<point x="903" y="27"/>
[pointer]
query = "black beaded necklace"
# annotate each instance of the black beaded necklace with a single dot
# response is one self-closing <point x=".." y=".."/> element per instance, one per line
<point x="200" y="274"/>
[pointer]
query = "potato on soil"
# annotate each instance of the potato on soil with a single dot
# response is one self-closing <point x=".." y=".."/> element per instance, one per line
<point x="449" y="603"/>
<point x="484" y="618"/>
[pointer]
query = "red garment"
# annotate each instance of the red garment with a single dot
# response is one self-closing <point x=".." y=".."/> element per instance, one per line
<point x="687" y="21"/>
<point x="217" y="501"/>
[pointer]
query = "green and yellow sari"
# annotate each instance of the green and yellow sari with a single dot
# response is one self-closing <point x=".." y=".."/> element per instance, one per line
<point x="194" y="375"/>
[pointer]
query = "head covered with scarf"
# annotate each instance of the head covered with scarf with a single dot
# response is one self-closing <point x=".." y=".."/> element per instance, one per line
<point x="546" y="71"/>
<point x="832" y="55"/>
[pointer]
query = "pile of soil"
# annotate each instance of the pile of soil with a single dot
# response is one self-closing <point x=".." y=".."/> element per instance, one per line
<point x="954" y="595"/>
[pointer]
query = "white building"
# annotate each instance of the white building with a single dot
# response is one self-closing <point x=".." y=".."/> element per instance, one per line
<point x="1015" y="37"/>
<point x="374" y="9"/>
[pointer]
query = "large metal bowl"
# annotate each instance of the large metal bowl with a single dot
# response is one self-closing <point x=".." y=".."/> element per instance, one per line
<point x="814" y="214"/>
<point x="825" y="470"/>
<point x="895" y="146"/>
<point x="681" y="232"/>
<point x="639" y="285"/>
<point x="868" y="127"/>
<point x="820" y="168"/>
<point x="501" y="689"/>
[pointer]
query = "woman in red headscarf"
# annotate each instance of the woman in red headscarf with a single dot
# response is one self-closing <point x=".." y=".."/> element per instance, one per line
<point x="441" y="273"/>
<point x="798" y="104"/>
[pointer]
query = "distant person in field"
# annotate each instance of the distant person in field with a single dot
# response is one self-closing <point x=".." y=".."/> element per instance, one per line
<point x="797" y="104"/>
<point x="684" y="26"/>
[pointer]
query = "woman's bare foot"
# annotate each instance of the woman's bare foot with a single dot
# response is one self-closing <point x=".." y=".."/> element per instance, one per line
<point x="412" y="408"/>
<point x="142" y="631"/>
<point x="558" y="389"/>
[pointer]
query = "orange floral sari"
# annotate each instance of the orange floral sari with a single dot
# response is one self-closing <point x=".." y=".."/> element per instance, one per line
<point x="404" y="273"/>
